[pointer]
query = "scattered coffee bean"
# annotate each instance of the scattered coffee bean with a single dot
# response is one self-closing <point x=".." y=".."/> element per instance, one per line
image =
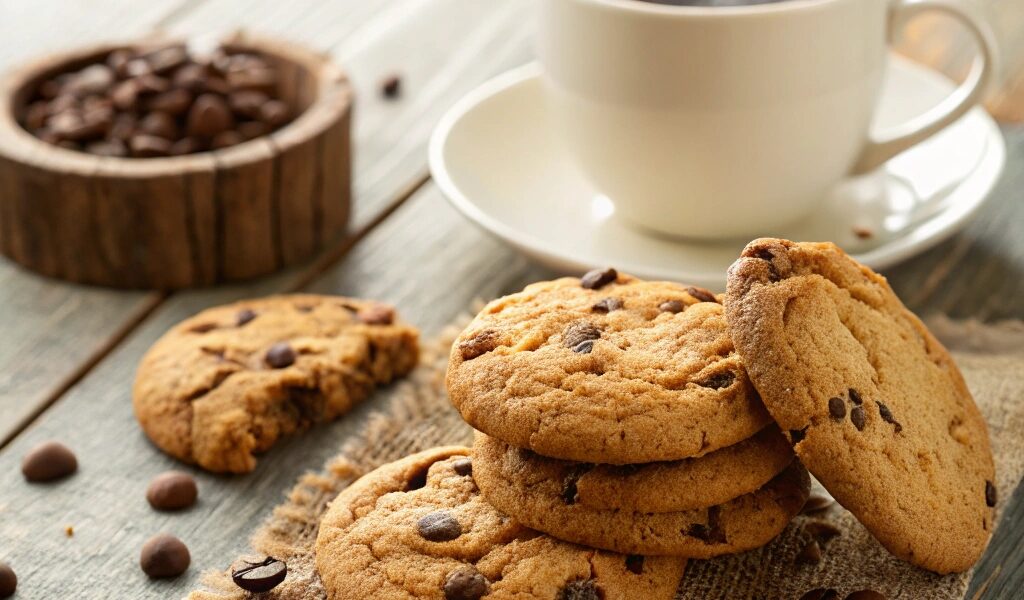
<point x="865" y="595"/>
<point x="261" y="576"/>
<point x="822" y="530"/>
<point x="672" y="306"/>
<point x="439" y="526"/>
<point x="635" y="564"/>
<point x="887" y="416"/>
<point x="164" y="556"/>
<point x="465" y="583"/>
<point x="863" y="233"/>
<point x="821" y="594"/>
<point x="855" y="397"/>
<point x="817" y="503"/>
<point x="280" y="355"/>
<point x="836" y="408"/>
<point x="478" y="345"/>
<point x="172" y="490"/>
<point x="244" y="316"/>
<point x="8" y="581"/>
<point x="991" y="494"/>
<point x="377" y="314"/>
<point x="48" y="461"/>
<point x="391" y="86"/>
<point x="811" y="553"/>
<point x="580" y="337"/>
<point x="463" y="466"/>
<point x="701" y="294"/>
<point x="69" y="531"/>
<point x="581" y="589"/>
<point x="598" y="278"/>
<point x="857" y="417"/>
<point x="607" y="305"/>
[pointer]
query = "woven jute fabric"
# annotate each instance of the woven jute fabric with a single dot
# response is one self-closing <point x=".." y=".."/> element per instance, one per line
<point x="417" y="416"/>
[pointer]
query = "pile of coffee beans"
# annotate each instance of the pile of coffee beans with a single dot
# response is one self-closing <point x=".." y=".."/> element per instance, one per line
<point x="162" y="101"/>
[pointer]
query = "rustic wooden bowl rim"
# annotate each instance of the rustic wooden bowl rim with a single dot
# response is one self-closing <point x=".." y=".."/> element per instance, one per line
<point x="333" y="98"/>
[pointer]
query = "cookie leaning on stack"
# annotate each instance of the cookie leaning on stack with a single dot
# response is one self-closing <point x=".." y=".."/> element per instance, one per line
<point x="569" y="378"/>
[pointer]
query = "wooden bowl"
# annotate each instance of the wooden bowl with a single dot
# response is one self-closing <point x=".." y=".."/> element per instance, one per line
<point x="185" y="221"/>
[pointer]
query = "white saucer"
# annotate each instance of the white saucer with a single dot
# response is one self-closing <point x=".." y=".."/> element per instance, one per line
<point x="496" y="159"/>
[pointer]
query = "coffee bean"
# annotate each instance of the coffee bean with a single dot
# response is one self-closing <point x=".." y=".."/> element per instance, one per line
<point x="280" y="355"/>
<point x="164" y="556"/>
<point x="607" y="305"/>
<point x="991" y="494"/>
<point x="439" y="526"/>
<point x="255" y="78"/>
<point x="167" y="59"/>
<point x="635" y="564"/>
<point x="226" y="139"/>
<point x="8" y="581"/>
<point x="581" y="589"/>
<point x="865" y="595"/>
<point x="244" y="316"/>
<point x="190" y="77"/>
<point x="173" y="102"/>
<point x="123" y="127"/>
<point x="857" y="417"/>
<point x="118" y="59"/>
<point x="36" y="114"/>
<point x="184" y="146"/>
<point x="855" y="397"/>
<point x="48" y="461"/>
<point x="275" y="113"/>
<point x="580" y="337"/>
<point x="248" y="103"/>
<point x="463" y="466"/>
<point x="251" y="130"/>
<point x="821" y="594"/>
<point x="811" y="553"/>
<point x="172" y="490"/>
<point x="478" y="345"/>
<point x="701" y="294"/>
<point x="160" y="124"/>
<point x="718" y="381"/>
<point x="887" y="416"/>
<point x="836" y="408"/>
<point x="261" y="576"/>
<point x="465" y="583"/>
<point x="148" y="146"/>
<point x="113" y="147"/>
<point x="208" y="116"/>
<point x="376" y="314"/>
<point x="391" y="86"/>
<point x="598" y="278"/>
<point x="817" y="503"/>
<point x="822" y="531"/>
<point x="151" y="84"/>
<point x="672" y="306"/>
<point x="94" y="79"/>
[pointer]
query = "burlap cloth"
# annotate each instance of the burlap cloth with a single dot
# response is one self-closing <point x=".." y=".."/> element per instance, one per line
<point x="417" y="416"/>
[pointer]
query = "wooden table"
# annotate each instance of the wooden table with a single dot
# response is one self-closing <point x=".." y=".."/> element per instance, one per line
<point x="68" y="353"/>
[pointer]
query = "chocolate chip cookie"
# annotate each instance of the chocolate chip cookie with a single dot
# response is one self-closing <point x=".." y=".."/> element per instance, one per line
<point x="229" y="382"/>
<point x="873" y="403"/>
<point x="509" y="480"/>
<point x="418" y="528"/>
<point x="605" y="369"/>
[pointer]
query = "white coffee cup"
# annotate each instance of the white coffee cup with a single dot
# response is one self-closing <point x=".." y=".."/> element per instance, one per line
<point x="726" y="122"/>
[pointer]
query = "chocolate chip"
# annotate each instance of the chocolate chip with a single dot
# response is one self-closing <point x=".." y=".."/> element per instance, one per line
<point x="857" y="417"/>
<point x="463" y="466"/>
<point x="855" y="397"/>
<point x="886" y="415"/>
<point x="244" y="316"/>
<point x="172" y="490"/>
<point x="598" y="278"/>
<point x="570" y="493"/>
<point x="701" y="294"/>
<point x="817" y="503"/>
<point x="280" y="355"/>
<point x="258" y="577"/>
<point x="797" y="435"/>
<point x="718" y="381"/>
<point x="811" y="553"/>
<point x="836" y="408"/>
<point x="712" y="533"/>
<point x="607" y="305"/>
<point x="635" y="564"/>
<point x="865" y="595"/>
<point x="672" y="306"/>
<point x="580" y="337"/>
<point x="376" y="314"/>
<point x="391" y="86"/>
<point x="164" y="556"/>
<point x="581" y="589"/>
<point x="465" y="583"/>
<point x="8" y="581"/>
<point x="439" y="526"/>
<point x="821" y="594"/>
<point x="991" y="493"/>
<point x="822" y="530"/>
<point x="48" y="461"/>
<point x="203" y="328"/>
<point x="481" y="343"/>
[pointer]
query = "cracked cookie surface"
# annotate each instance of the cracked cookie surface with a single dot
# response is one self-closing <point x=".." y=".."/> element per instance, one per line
<point x="509" y="480"/>
<point x="418" y="528"/>
<point x="226" y="384"/>
<point x="605" y="369"/>
<point x="875" y="406"/>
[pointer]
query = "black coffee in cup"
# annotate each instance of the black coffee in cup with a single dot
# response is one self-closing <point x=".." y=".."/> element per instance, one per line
<point x="712" y="2"/>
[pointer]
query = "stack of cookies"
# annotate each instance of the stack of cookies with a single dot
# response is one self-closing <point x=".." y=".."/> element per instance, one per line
<point x="616" y="413"/>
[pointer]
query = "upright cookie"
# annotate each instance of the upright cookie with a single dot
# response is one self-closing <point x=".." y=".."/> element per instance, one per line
<point x="874" y="404"/>
<point x="418" y="528"/>
<point x="605" y="369"/>
<point x="510" y="479"/>
<point x="229" y="382"/>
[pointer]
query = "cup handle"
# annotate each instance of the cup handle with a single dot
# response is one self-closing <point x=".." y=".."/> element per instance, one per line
<point x="899" y="138"/>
